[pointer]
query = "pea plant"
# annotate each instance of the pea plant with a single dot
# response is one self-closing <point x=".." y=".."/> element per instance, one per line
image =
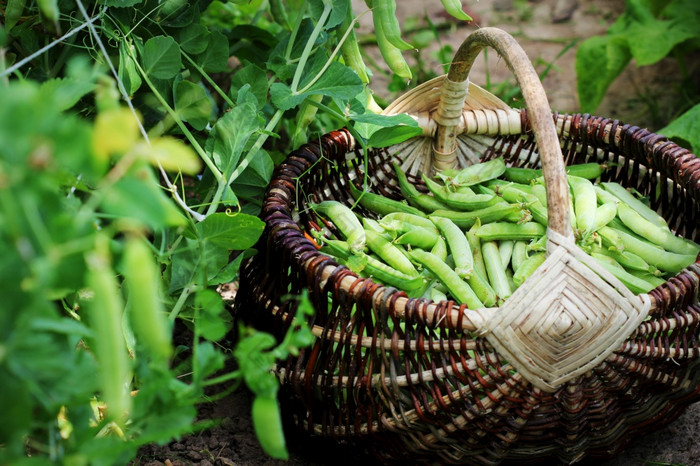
<point x="647" y="32"/>
<point x="136" y="140"/>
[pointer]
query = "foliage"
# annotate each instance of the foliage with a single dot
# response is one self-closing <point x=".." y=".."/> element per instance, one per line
<point x="136" y="139"/>
<point x="648" y="31"/>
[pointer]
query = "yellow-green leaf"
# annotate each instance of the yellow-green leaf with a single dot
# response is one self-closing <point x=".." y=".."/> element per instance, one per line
<point x="116" y="131"/>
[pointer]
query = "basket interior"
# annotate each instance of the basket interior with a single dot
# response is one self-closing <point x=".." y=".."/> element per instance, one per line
<point x="415" y="385"/>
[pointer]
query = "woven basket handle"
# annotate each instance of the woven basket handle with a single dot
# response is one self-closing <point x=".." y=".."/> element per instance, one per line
<point x="453" y="94"/>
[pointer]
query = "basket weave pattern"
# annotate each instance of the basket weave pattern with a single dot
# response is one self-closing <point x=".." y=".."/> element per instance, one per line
<point x="416" y="380"/>
<point x="572" y="364"/>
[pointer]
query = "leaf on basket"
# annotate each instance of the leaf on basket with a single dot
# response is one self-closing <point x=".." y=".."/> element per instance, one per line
<point x="389" y="136"/>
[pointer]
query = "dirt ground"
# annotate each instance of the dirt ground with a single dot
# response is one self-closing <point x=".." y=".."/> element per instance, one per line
<point x="544" y="28"/>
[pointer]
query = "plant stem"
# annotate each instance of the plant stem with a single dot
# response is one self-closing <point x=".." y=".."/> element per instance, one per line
<point x="186" y="292"/>
<point x="223" y="183"/>
<point x="195" y="145"/>
<point x="211" y="82"/>
<point x="309" y="46"/>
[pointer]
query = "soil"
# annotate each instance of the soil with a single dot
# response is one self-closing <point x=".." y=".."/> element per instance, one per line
<point x="543" y="28"/>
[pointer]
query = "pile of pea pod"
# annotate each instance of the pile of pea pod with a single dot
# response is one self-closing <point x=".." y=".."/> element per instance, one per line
<point x="482" y="231"/>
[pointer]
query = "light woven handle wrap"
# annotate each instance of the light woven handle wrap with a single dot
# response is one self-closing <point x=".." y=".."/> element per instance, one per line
<point x="454" y="92"/>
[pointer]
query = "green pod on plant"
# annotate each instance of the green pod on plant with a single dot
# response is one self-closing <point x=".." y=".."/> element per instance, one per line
<point x="267" y="422"/>
<point x="106" y="316"/>
<point x="147" y="314"/>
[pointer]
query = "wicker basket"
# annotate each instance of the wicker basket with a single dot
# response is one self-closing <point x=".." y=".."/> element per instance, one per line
<point x="571" y="365"/>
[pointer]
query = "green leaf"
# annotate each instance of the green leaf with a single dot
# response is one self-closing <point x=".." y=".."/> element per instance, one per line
<point x="213" y="322"/>
<point x="230" y="135"/>
<point x="229" y="272"/>
<point x="233" y="232"/>
<point x="214" y="58"/>
<point x="369" y="123"/>
<point x="13" y="12"/>
<point x="65" y="92"/>
<point x="599" y="60"/>
<point x="338" y="10"/>
<point x="256" y="78"/>
<point x="194" y="38"/>
<point x="192" y="104"/>
<point x="258" y="172"/>
<point x="386" y="137"/>
<point x="686" y="127"/>
<point x="650" y="39"/>
<point x="196" y="262"/>
<point x="161" y="57"/>
<point x="172" y="154"/>
<point x="137" y="196"/>
<point x="338" y="81"/>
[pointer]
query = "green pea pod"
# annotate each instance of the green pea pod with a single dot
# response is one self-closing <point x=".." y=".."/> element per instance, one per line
<point x="510" y="231"/>
<point x="350" y="49"/>
<point x="460" y="201"/>
<point x="590" y="171"/>
<point x="626" y="197"/>
<point x="479" y="172"/>
<point x="346" y="221"/>
<point x="539" y="191"/>
<point x="495" y="270"/>
<point x="147" y="314"/>
<point x="652" y="254"/>
<point x="405" y="218"/>
<point x="475" y="246"/>
<point x="528" y="267"/>
<point x="458" y="288"/>
<point x="635" y="284"/>
<point x="458" y="245"/>
<point x="391" y="54"/>
<point x="519" y="254"/>
<point x="605" y="197"/>
<point x="654" y="233"/>
<point x="424" y="202"/>
<point x="650" y="278"/>
<point x="389" y="253"/>
<point x="384" y="18"/>
<point x="305" y="116"/>
<point x="419" y="238"/>
<point x="604" y="214"/>
<point x="627" y="259"/>
<point x="454" y="9"/>
<point x="437" y="295"/>
<point x="278" y="11"/>
<point x="505" y="249"/>
<point x="489" y="214"/>
<point x="381" y="205"/>
<point x="49" y="9"/>
<point x="513" y="195"/>
<point x="440" y="249"/>
<point x="584" y="204"/>
<point x="106" y="316"/>
<point x="367" y="266"/>
<point x="267" y="422"/>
